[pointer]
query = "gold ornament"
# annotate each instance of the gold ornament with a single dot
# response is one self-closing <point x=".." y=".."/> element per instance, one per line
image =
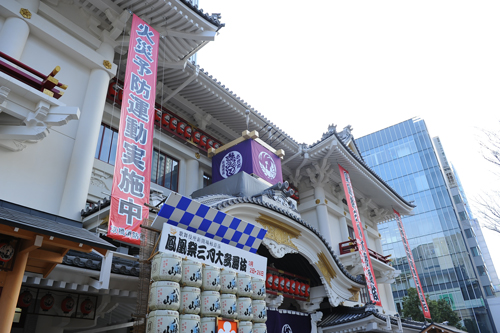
<point x="197" y="155"/>
<point x="107" y="64"/>
<point x="278" y="231"/>
<point x="325" y="268"/>
<point x="25" y="13"/>
<point x="355" y="294"/>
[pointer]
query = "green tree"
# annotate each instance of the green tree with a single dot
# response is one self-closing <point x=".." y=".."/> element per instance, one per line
<point x="441" y="310"/>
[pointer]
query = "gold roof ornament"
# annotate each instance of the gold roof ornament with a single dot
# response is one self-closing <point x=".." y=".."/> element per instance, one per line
<point x="107" y="64"/>
<point x="25" y="13"/>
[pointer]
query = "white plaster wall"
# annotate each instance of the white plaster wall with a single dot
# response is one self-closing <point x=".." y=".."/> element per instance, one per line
<point x="35" y="176"/>
<point x="336" y="235"/>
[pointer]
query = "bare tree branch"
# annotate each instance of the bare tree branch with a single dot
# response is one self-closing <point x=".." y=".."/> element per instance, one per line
<point x="488" y="204"/>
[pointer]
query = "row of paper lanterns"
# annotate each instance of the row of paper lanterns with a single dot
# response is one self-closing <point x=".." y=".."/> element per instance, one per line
<point x="168" y="121"/>
<point x="47" y="302"/>
<point x="291" y="286"/>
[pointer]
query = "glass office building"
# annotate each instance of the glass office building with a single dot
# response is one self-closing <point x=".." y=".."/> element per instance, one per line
<point x="403" y="155"/>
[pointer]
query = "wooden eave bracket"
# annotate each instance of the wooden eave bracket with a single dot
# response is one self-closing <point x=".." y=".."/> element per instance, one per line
<point x="30" y="245"/>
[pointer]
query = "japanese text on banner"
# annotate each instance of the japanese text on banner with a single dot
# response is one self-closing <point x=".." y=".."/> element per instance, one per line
<point x="413" y="267"/>
<point x="131" y="180"/>
<point x="210" y="252"/>
<point x="371" y="283"/>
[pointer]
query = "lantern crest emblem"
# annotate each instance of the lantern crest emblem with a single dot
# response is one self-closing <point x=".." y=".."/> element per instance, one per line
<point x="267" y="165"/>
<point x="231" y="164"/>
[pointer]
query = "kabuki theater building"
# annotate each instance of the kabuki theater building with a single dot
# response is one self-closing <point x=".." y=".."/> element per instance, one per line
<point x="120" y="156"/>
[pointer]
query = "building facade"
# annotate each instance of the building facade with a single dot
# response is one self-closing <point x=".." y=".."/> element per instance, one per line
<point x="57" y="159"/>
<point x="404" y="156"/>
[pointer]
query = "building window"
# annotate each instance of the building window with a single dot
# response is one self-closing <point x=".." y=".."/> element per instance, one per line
<point x="468" y="233"/>
<point x="457" y="199"/>
<point x="350" y="230"/>
<point x="165" y="171"/>
<point x="488" y="291"/>
<point x="463" y="216"/>
<point x="481" y="270"/>
<point x="106" y="144"/>
<point x="475" y="251"/>
<point x="207" y="180"/>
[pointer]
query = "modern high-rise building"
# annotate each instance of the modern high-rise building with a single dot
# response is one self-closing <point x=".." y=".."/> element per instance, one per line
<point x="404" y="156"/>
<point x="480" y="255"/>
<point x="462" y="207"/>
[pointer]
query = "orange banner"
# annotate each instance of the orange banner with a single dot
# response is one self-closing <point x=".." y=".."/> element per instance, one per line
<point x="366" y="262"/>
<point x="413" y="268"/>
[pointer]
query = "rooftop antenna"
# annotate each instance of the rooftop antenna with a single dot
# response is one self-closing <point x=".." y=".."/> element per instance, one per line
<point x="247" y="116"/>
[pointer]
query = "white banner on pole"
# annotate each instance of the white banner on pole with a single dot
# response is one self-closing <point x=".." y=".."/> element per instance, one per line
<point x="210" y="252"/>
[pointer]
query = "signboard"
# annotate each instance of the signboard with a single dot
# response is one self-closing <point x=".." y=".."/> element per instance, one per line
<point x="132" y="176"/>
<point x="210" y="252"/>
<point x="366" y="262"/>
<point x="413" y="268"/>
<point x="227" y="326"/>
<point x="189" y="214"/>
<point x="250" y="157"/>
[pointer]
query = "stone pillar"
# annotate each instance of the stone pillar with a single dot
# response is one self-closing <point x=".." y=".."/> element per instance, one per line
<point x="82" y="159"/>
<point x="10" y="292"/>
<point x="344" y="230"/>
<point x="13" y="37"/>
<point x="192" y="176"/>
<point x="322" y="213"/>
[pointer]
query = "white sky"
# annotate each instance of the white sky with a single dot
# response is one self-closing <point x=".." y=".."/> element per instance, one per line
<point x="370" y="64"/>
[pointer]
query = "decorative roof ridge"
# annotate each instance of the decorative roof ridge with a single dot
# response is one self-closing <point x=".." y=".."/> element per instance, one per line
<point x="360" y="160"/>
<point x="214" y="18"/>
<point x="258" y="201"/>
<point x="334" y="133"/>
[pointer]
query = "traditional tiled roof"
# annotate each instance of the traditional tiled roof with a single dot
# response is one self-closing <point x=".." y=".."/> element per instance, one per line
<point x="47" y="224"/>
<point x="345" y="314"/>
<point x="93" y="262"/>
<point x="221" y="201"/>
<point x="214" y="18"/>
<point x="360" y="159"/>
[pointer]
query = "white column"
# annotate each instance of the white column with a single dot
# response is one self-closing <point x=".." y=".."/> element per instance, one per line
<point x="378" y="245"/>
<point x="192" y="176"/>
<point x="322" y="213"/>
<point x="77" y="183"/>
<point x="82" y="159"/>
<point x="315" y="318"/>
<point x="13" y="37"/>
<point x="344" y="231"/>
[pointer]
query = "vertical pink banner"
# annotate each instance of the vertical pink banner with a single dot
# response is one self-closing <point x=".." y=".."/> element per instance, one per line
<point x="413" y="267"/>
<point x="366" y="262"/>
<point x="132" y="177"/>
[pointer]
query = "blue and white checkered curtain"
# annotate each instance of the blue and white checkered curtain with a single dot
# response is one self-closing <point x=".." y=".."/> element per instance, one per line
<point x="193" y="216"/>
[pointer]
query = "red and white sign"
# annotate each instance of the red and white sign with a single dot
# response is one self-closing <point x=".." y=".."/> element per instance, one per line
<point x="131" y="181"/>
<point x="413" y="268"/>
<point x="366" y="262"/>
